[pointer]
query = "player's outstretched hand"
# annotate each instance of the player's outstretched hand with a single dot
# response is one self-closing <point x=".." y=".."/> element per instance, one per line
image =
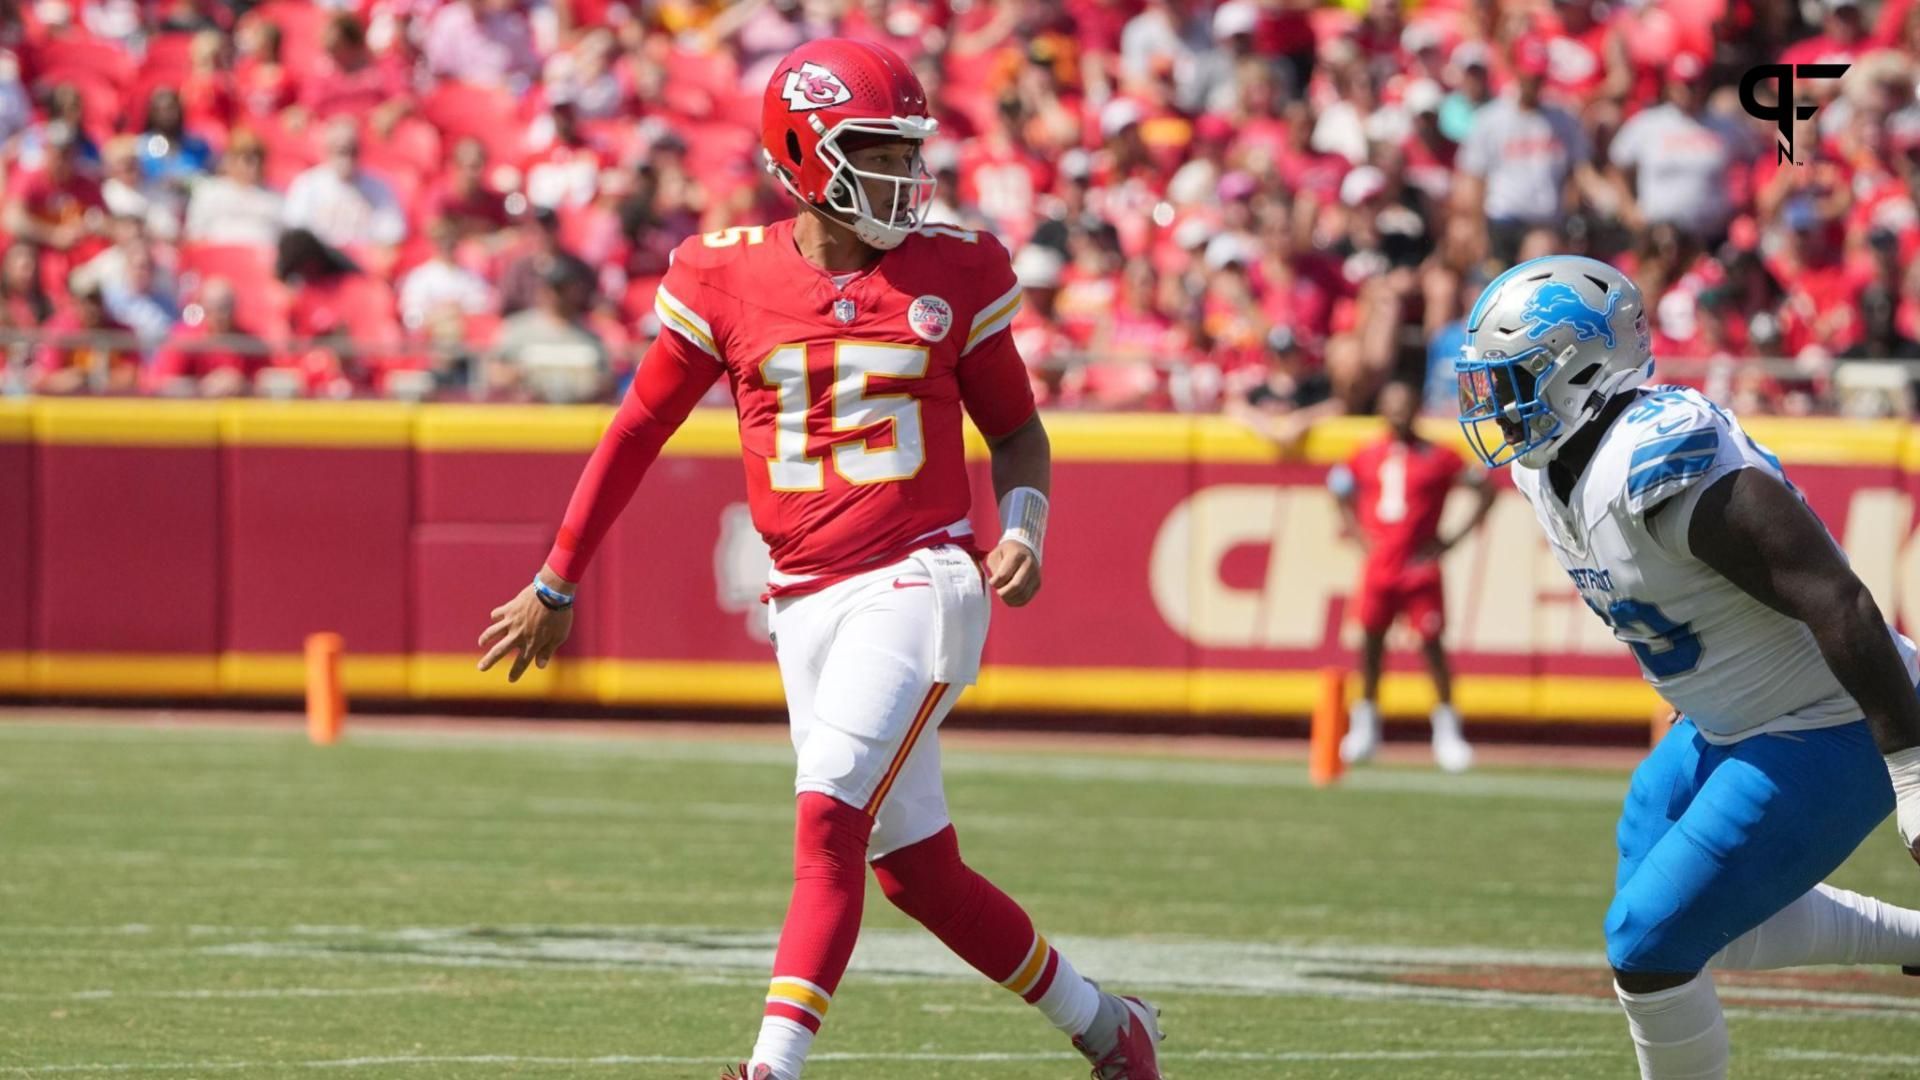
<point x="528" y="627"/>
<point x="1014" y="572"/>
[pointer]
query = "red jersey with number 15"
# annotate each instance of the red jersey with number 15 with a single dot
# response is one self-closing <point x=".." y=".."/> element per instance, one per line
<point x="1399" y="491"/>
<point x="850" y="386"/>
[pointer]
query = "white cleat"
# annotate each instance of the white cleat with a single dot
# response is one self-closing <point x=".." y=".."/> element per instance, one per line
<point x="1124" y="1041"/>
<point x="1359" y="745"/>
<point x="1363" y="735"/>
<point x="1452" y="753"/>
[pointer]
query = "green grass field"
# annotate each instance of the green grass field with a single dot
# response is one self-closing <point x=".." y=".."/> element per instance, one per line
<point x="233" y="902"/>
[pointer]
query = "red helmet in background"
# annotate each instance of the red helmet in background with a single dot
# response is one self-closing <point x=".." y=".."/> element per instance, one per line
<point x="832" y="96"/>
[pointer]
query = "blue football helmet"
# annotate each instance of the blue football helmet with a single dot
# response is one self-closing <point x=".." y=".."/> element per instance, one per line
<point x="1548" y="344"/>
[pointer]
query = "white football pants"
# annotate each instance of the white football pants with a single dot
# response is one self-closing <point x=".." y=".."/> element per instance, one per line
<point x="871" y="666"/>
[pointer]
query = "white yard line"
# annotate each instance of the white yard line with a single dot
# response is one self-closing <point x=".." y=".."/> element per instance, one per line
<point x="1785" y="1054"/>
<point x="624" y="1060"/>
<point x="620" y="1060"/>
<point x="1047" y="763"/>
<point x="299" y="992"/>
<point x="1325" y="969"/>
<point x="1352" y="972"/>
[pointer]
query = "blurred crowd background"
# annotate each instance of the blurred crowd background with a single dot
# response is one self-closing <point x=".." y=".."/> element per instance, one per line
<point x="1264" y="206"/>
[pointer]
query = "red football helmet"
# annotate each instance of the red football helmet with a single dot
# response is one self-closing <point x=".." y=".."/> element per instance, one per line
<point x="828" y="94"/>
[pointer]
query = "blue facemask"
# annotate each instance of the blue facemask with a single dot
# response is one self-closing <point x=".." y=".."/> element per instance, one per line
<point x="1499" y="404"/>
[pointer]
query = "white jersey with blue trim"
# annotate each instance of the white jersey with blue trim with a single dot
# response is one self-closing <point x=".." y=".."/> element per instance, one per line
<point x="1736" y="667"/>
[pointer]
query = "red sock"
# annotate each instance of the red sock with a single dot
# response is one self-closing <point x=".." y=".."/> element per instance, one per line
<point x="823" y="919"/>
<point x="982" y="925"/>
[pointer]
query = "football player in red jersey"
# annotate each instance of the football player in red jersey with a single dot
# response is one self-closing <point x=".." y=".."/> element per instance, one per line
<point x="853" y="337"/>
<point x="1391" y="495"/>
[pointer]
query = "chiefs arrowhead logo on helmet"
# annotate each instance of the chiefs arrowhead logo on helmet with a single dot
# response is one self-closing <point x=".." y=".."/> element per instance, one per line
<point x="811" y="86"/>
<point x="830" y="99"/>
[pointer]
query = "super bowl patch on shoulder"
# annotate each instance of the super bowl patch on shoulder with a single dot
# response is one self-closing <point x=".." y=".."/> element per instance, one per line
<point x="930" y="317"/>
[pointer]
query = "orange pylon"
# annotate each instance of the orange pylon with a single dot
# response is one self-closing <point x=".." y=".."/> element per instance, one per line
<point x="326" y="700"/>
<point x="1324" y="766"/>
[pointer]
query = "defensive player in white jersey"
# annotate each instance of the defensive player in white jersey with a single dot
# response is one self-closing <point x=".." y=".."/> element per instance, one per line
<point x="1800" y="722"/>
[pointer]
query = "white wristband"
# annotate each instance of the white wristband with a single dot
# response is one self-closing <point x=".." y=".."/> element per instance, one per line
<point x="1903" y="766"/>
<point x="1023" y="516"/>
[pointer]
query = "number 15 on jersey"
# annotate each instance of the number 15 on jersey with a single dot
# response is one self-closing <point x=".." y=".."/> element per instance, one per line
<point x="871" y="436"/>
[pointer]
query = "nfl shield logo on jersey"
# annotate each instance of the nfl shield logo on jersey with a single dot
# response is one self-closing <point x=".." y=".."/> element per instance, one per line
<point x="843" y="311"/>
<point x="930" y="317"/>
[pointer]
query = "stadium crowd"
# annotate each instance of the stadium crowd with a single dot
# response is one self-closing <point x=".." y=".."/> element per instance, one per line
<point x="1255" y="204"/>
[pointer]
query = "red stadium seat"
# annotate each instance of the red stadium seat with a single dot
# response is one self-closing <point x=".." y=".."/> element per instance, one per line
<point x="416" y="249"/>
<point x="237" y="263"/>
<point x="414" y="143"/>
<point x="168" y="55"/>
<point x="289" y="152"/>
<point x="637" y="302"/>
<point x="741" y="110"/>
<point x="366" y="307"/>
<point x="282" y="170"/>
<point x="260" y="301"/>
<point x="979" y="106"/>
<point x="300" y="25"/>
<point x="713" y="149"/>
<point x="99" y="58"/>
<point x="484" y="112"/>
<point x="576" y="226"/>
<point x="619" y="138"/>
<point x="716" y="72"/>
<point x="358" y="305"/>
<point x="688" y="100"/>
<point x="481" y="329"/>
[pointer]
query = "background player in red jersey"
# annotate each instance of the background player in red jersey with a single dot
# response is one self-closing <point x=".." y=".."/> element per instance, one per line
<point x="1391" y="495"/>
<point x="852" y="339"/>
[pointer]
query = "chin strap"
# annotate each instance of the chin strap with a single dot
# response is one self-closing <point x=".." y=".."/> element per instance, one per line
<point x="848" y="227"/>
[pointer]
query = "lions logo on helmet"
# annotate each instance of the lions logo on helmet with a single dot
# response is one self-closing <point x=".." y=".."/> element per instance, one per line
<point x="1555" y="304"/>
<point x="1548" y="344"/>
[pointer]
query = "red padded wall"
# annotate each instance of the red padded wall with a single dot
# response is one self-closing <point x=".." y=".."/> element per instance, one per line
<point x="463" y="572"/>
<point x="16" y="550"/>
<point x="128" y="544"/>
<point x="498" y="487"/>
<point x="317" y="539"/>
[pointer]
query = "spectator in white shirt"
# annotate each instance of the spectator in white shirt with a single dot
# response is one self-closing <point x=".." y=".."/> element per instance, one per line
<point x="489" y="42"/>
<point x="1524" y="159"/>
<point x="1166" y="37"/>
<point x="1670" y="162"/>
<point x="343" y="204"/>
<point x="16" y="111"/>
<point x="236" y="207"/>
<point x="440" y="285"/>
<point x="129" y="194"/>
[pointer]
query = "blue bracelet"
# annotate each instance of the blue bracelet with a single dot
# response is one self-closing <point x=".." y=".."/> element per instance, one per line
<point x="553" y="598"/>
